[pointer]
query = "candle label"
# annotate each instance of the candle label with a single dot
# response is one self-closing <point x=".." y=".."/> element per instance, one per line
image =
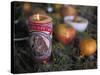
<point x="41" y="27"/>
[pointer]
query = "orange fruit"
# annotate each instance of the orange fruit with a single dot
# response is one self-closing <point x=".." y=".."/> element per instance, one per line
<point x="27" y="7"/>
<point x="87" y="47"/>
<point x="69" y="11"/>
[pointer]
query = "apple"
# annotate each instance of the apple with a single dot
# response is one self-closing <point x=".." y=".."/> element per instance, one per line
<point x="64" y="33"/>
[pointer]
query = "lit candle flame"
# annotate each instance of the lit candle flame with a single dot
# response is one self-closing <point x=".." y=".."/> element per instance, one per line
<point x="37" y="17"/>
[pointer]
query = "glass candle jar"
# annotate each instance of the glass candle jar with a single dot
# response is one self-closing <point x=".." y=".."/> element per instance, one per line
<point x="40" y="28"/>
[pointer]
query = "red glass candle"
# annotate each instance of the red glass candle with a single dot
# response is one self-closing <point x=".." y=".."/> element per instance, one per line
<point x="40" y="27"/>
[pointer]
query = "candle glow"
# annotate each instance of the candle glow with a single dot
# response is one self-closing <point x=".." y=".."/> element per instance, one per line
<point x="37" y="17"/>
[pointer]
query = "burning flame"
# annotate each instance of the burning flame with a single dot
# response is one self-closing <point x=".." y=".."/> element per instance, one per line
<point x="37" y="17"/>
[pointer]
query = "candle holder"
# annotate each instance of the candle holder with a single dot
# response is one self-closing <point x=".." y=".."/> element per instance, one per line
<point x="40" y="27"/>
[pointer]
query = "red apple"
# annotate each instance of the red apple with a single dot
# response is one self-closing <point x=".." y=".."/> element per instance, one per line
<point x="64" y="34"/>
